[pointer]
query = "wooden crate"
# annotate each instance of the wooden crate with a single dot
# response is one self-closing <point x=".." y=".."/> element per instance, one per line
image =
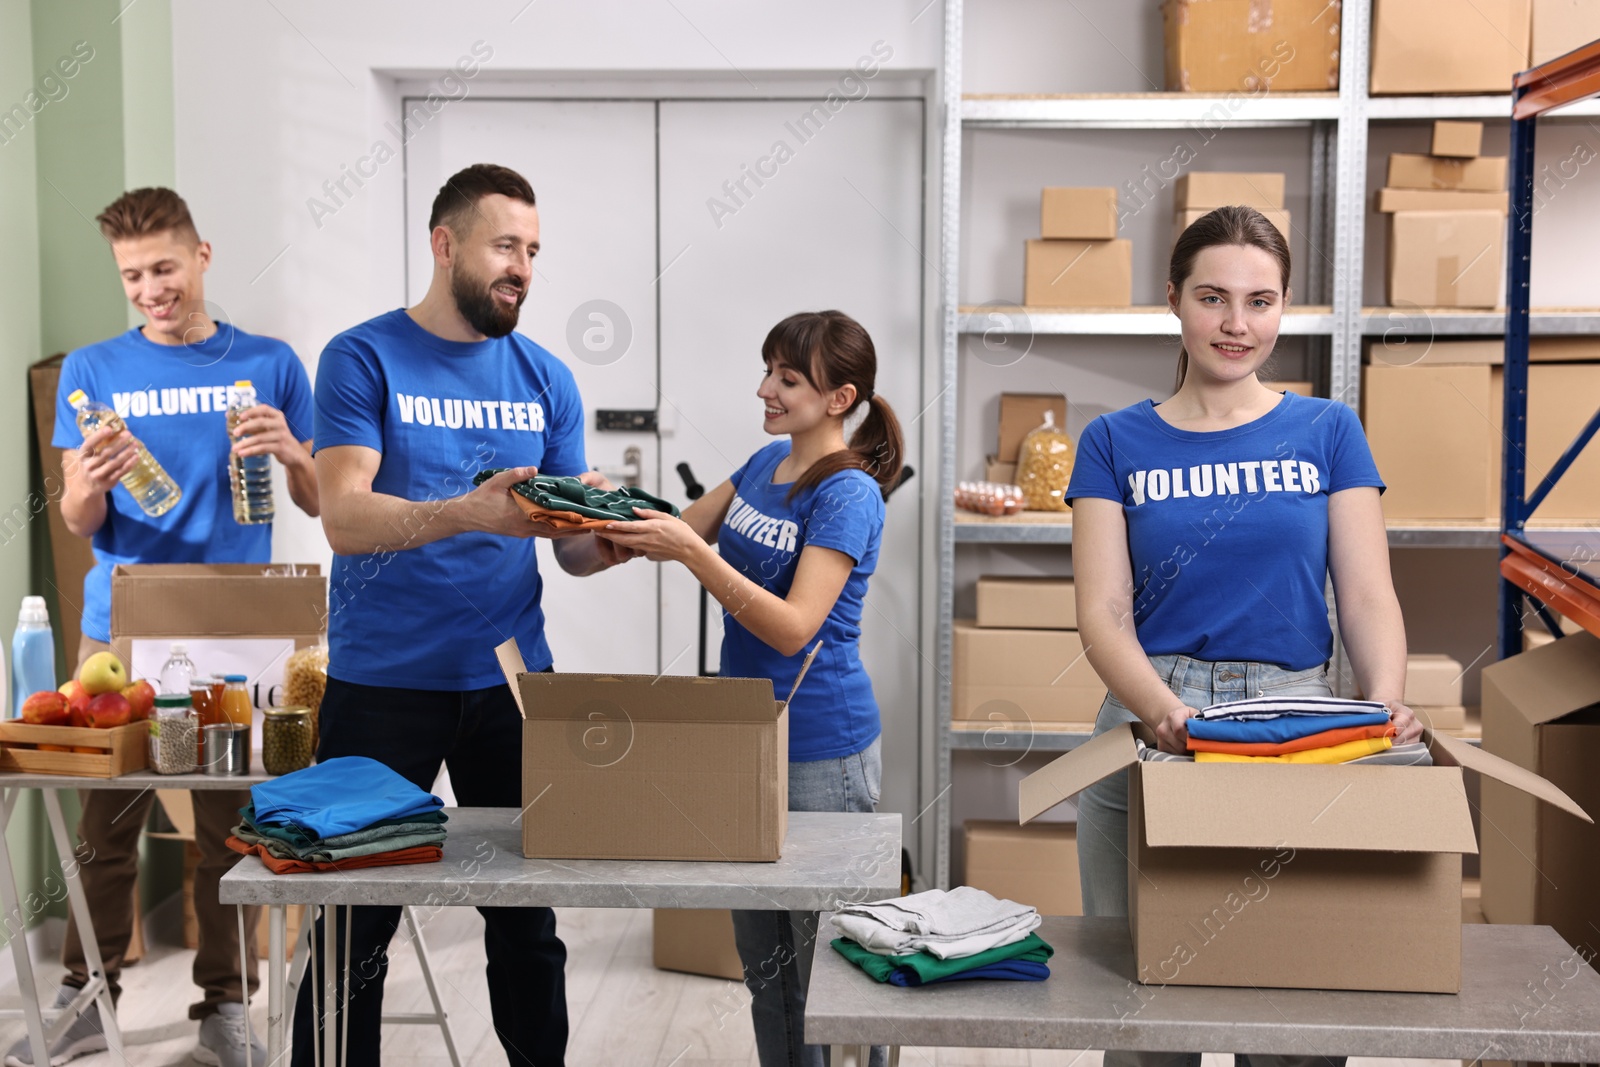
<point x="118" y="751"/>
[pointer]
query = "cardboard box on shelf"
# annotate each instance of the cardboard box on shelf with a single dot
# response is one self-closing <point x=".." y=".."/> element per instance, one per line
<point x="1564" y="350"/>
<point x="1219" y="46"/>
<point x="1021" y="603"/>
<point x="1561" y="401"/>
<point x="651" y="768"/>
<point x="1391" y="200"/>
<point x="1213" y="842"/>
<point x="1186" y="218"/>
<point x="1447" y="46"/>
<point x="1020" y="415"/>
<point x="1035" y="865"/>
<point x="1446" y="259"/>
<point x="695" y="941"/>
<point x="1017" y="677"/>
<point x="1463" y="139"/>
<point x="1299" y="388"/>
<point x="1433" y="678"/>
<point x="1430" y="436"/>
<point x="1082" y="214"/>
<point x="1413" y="351"/>
<point x="1440" y="716"/>
<point x="1540" y="712"/>
<point x="1559" y="26"/>
<point x="1485" y="174"/>
<point x="1208" y="189"/>
<point x="995" y="471"/>
<point x="1078" y="274"/>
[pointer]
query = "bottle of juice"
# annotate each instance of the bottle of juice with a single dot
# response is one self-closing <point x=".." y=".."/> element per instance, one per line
<point x="236" y="704"/>
<point x="249" y="476"/>
<point x="152" y="487"/>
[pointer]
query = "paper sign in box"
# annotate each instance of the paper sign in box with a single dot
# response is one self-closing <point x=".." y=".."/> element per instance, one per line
<point x="641" y="767"/>
<point x="1295" y="876"/>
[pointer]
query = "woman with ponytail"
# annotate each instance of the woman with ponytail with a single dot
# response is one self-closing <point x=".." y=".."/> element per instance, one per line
<point x="787" y="545"/>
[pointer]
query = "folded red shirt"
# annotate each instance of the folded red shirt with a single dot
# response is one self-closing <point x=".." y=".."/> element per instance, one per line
<point x="280" y="865"/>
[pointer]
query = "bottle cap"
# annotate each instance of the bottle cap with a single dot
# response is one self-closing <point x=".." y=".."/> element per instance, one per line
<point x="179" y="649"/>
<point x="233" y="678"/>
<point x="77" y="399"/>
<point x="33" y="610"/>
<point x="242" y="383"/>
<point x="172" y="700"/>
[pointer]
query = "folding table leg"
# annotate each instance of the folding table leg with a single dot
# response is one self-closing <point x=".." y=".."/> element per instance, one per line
<point x="9" y="899"/>
<point x="91" y="946"/>
<point x="425" y="963"/>
<point x="330" y="978"/>
<point x="277" y="1009"/>
<point x="244" y="978"/>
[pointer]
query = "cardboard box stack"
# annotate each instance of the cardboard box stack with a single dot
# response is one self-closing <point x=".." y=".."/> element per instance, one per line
<point x="1541" y="711"/>
<point x="1080" y="262"/>
<point x="1199" y="192"/>
<point x="1256" y="46"/>
<point x="1559" y="26"/>
<point x="1448" y="46"/>
<point x="1020" y="415"/>
<point x="1036" y="865"/>
<point x="1212" y="842"/>
<point x="1021" y="661"/>
<point x="1433" y="690"/>
<point x="1447" y="222"/>
<point x="695" y="941"/>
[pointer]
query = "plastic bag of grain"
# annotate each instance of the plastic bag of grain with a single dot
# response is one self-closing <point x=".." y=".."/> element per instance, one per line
<point x="1044" y="467"/>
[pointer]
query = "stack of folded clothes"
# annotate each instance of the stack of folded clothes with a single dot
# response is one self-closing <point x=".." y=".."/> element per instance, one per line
<point x="936" y="936"/>
<point x="1295" y="730"/>
<point x="568" y="504"/>
<point x="340" y="815"/>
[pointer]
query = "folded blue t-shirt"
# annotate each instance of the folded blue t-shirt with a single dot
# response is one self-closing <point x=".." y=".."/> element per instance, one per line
<point x="1283" y="728"/>
<point x="340" y="796"/>
<point x="1004" y="970"/>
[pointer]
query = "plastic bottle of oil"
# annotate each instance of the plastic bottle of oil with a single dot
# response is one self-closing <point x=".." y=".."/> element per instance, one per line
<point x="250" y="476"/>
<point x="152" y="487"/>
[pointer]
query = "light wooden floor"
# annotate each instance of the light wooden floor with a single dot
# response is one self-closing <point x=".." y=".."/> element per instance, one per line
<point x="624" y="1013"/>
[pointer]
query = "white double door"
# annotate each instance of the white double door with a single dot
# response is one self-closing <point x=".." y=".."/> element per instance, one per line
<point x="674" y="235"/>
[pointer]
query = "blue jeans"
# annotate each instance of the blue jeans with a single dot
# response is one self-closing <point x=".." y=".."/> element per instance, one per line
<point x="775" y="946"/>
<point x="1103" y="811"/>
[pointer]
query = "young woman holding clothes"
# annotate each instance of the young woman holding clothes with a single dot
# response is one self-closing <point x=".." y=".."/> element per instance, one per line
<point x="1211" y="523"/>
<point x="787" y="545"/>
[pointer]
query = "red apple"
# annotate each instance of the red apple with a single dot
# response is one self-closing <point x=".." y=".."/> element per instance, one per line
<point x="77" y="703"/>
<point x="108" y="710"/>
<point x="141" y="696"/>
<point x="47" y="708"/>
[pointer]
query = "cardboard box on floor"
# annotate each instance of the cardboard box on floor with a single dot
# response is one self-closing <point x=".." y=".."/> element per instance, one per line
<point x="1022" y="603"/>
<point x="1078" y="274"/>
<point x="1017" y="677"/>
<point x="695" y="941"/>
<point x="1440" y="716"/>
<point x="1035" y="865"/>
<point x="1541" y="711"/>
<point x="1446" y="259"/>
<point x="1448" y="46"/>
<point x="1433" y="678"/>
<point x="1234" y="868"/>
<point x="1020" y="415"/>
<point x="634" y="767"/>
<point x="1082" y="214"/>
<point x="1559" y="26"/>
<point x="1219" y="46"/>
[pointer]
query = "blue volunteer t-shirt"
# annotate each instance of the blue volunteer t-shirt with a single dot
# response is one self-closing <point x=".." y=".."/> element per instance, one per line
<point x="174" y="399"/>
<point x="834" y="714"/>
<point x="1228" y="529"/>
<point x="429" y="617"/>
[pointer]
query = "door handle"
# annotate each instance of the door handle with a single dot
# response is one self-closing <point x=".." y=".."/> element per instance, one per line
<point x="630" y="471"/>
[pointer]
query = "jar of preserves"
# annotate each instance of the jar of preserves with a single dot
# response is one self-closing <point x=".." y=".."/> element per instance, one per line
<point x="205" y="695"/>
<point x="174" y="735"/>
<point x="286" y="739"/>
<point x="236" y="706"/>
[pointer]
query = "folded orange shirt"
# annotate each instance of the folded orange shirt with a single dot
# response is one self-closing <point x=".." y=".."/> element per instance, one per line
<point x="1326" y="739"/>
<point x="280" y="865"/>
<point x="561" y="520"/>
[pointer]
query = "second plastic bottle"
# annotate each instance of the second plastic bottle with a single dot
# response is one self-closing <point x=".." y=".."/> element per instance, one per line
<point x="152" y="487"/>
<point x="250" y="476"/>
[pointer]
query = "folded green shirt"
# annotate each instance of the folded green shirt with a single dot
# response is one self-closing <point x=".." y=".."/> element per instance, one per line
<point x="930" y="968"/>
<point x="569" y="494"/>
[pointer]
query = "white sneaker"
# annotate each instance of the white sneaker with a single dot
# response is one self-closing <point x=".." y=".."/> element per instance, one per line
<point x="84" y="1036"/>
<point x="222" y="1040"/>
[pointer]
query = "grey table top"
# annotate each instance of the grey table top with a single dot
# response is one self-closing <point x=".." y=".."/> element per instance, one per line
<point x="1526" y="995"/>
<point x="826" y="858"/>
<point x="146" y="779"/>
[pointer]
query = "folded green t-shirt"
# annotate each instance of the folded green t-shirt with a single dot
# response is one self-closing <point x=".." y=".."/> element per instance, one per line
<point x="569" y="494"/>
<point x="930" y="968"/>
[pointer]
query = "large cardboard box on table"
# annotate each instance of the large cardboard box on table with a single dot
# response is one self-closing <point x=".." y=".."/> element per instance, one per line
<point x="1446" y="259"/>
<point x="1035" y="865"/>
<point x="1559" y="26"/>
<point x="1078" y="274"/>
<point x="1541" y="711"/>
<point x="1251" y="45"/>
<point x="1017" y="677"/>
<point x="635" y="767"/>
<point x="1302" y="876"/>
<point x="695" y="941"/>
<point x="1448" y="46"/>
<point x="1023" y="603"/>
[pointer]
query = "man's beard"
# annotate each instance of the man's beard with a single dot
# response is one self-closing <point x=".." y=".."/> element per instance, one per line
<point x="479" y="306"/>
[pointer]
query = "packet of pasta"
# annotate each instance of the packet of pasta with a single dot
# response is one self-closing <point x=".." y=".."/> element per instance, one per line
<point x="1044" y="467"/>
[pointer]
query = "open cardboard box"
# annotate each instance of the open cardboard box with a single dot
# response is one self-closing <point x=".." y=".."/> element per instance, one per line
<point x="1300" y="876"/>
<point x="635" y="767"/>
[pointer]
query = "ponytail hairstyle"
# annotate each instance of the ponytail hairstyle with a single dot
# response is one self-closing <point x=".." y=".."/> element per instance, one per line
<point x="829" y="349"/>
<point x="1236" y="225"/>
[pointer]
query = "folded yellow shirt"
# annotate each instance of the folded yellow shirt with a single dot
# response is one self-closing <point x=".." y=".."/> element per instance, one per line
<point x="1365" y="746"/>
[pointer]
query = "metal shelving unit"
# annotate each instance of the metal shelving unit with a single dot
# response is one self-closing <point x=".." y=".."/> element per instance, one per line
<point x="1338" y="217"/>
